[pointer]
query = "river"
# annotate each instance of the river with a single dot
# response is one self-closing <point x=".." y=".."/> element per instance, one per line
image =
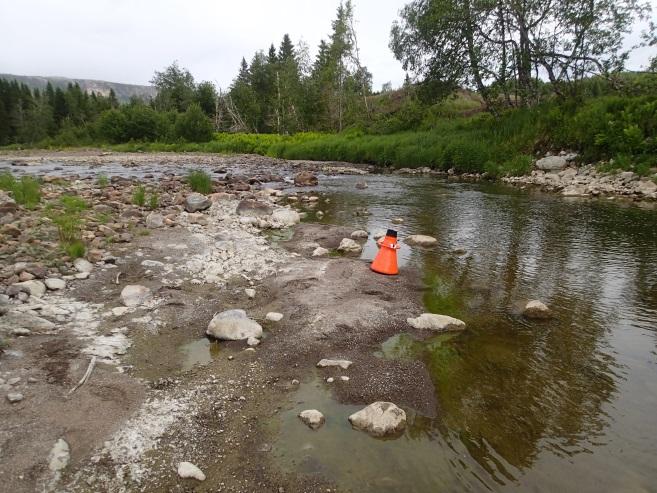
<point x="568" y="404"/>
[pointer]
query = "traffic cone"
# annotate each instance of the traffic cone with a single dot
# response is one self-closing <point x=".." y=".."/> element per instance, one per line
<point x="385" y="261"/>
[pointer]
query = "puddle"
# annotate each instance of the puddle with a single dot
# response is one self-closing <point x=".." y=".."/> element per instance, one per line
<point x="199" y="352"/>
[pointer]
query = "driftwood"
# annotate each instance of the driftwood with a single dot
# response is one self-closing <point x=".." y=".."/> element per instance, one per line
<point x="87" y="373"/>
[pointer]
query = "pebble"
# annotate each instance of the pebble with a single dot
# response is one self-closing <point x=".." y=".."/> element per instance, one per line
<point x="21" y="331"/>
<point x="253" y="341"/>
<point x="313" y="418"/>
<point x="250" y="292"/>
<point x="14" y="397"/>
<point x="274" y="316"/>
<point x="14" y="381"/>
<point x="60" y="454"/>
<point x="188" y="470"/>
<point x="55" y="284"/>
<point x="344" y="378"/>
<point x="330" y="380"/>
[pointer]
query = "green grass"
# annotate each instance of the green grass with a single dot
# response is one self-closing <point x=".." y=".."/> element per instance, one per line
<point x="139" y="196"/>
<point x="75" y="249"/>
<point x="73" y="204"/>
<point x="102" y="181"/>
<point x="200" y="181"/>
<point x="26" y="191"/>
<point x="153" y="201"/>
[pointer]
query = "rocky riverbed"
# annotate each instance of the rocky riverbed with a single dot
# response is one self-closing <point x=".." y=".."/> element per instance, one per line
<point x="100" y="387"/>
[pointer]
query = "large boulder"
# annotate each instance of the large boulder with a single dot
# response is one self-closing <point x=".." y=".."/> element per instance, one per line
<point x="347" y="245"/>
<point x="233" y="325"/>
<point x="551" y="163"/>
<point x="433" y="321"/>
<point x="135" y="294"/>
<point x="305" y="179"/>
<point x="253" y="208"/>
<point x="195" y="202"/>
<point x="380" y="419"/>
<point x="536" y="309"/>
<point x="421" y="240"/>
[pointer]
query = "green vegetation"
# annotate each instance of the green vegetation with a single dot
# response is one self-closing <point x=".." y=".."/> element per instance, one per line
<point x="102" y="181"/>
<point x="26" y="191"/>
<point x="75" y="249"/>
<point x="139" y="196"/>
<point x="153" y="201"/>
<point x="199" y="181"/>
<point x="66" y="214"/>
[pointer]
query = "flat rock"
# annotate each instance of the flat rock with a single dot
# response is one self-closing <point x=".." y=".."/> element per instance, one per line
<point x="55" y="284"/>
<point x="536" y="309"/>
<point x="380" y="419"/>
<point x="233" y="325"/>
<point x="313" y="418"/>
<point x="286" y="217"/>
<point x="421" y="240"/>
<point x="347" y="245"/>
<point x="154" y="220"/>
<point x="187" y="470"/>
<point x="253" y="208"/>
<point x="437" y="322"/>
<point x="342" y="363"/>
<point x="83" y="265"/>
<point x="320" y="252"/>
<point x="135" y="294"/>
<point x="13" y="320"/>
<point x="274" y="316"/>
<point x="35" y="288"/>
<point x="195" y="202"/>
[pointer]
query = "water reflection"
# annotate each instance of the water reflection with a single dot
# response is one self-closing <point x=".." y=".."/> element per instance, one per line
<point x="537" y="405"/>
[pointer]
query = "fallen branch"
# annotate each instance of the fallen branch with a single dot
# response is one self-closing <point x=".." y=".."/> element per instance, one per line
<point x="90" y="368"/>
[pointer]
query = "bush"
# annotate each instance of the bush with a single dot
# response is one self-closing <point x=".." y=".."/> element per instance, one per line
<point x="102" y="181"/>
<point x="200" y="181"/>
<point x="26" y="191"/>
<point x="75" y="249"/>
<point x="153" y="201"/>
<point x="111" y="126"/>
<point x="139" y="196"/>
<point x="194" y="126"/>
<point x="73" y="204"/>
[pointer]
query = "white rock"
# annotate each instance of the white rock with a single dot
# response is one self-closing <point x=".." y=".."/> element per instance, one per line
<point x="359" y="234"/>
<point x="233" y="325"/>
<point x="154" y="220"/>
<point x="342" y="363"/>
<point x="152" y="263"/>
<point x="550" y="163"/>
<point x="21" y="331"/>
<point x="60" y="454"/>
<point x="36" y="288"/>
<point x="348" y="245"/>
<point x="536" y="309"/>
<point x="82" y="275"/>
<point x="397" y="220"/>
<point x="187" y="470"/>
<point x="286" y="217"/>
<point x="344" y="378"/>
<point x="253" y="341"/>
<point x="83" y="265"/>
<point x="313" y="418"/>
<point x="330" y="380"/>
<point x="379" y="233"/>
<point x="379" y="419"/>
<point x="434" y="321"/>
<point x="274" y="316"/>
<point x="14" y="397"/>
<point x="135" y="294"/>
<point x="196" y="202"/>
<point x="421" y="240"/>
<point x="320" y="252"/>
<point x="250" y="292"/>
<point x="55" y="284"/>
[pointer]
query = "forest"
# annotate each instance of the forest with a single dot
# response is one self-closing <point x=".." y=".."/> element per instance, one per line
<point x="489" y="85"/>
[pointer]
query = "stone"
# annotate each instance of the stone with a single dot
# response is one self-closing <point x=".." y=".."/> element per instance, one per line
<point x="361" y="185"/>
<point x="305" y="179"/>
<point x="320" y="252"/>
<point x="233" y="325"/>
<point x="252" y="341"/>
<point x="286" y="217"/>
<point x="397" y="220"/>
<point x="550" y="163"/>
<point x="253" y="208"/>
<point x="536" y="309"/>
<point x="21" y="331"/>
<point x="135" y="294"/>
<point x="35" y="288"/>
<point x="154" y="220"/>
<point x="421" y="240"/>
<point x="433" y="321"/>
<point x="7" y="203"/>
<point x="344" y="378"/>
<point x="83" y="265"/>
<point x="342" y="363"/>
<point x="274" y="316"/>
<point x="330" y="380"/>
<point x="187" y="470"/>
<point x="250" y="292"/>
<point x="380" y="419"/>
<point x="13" y="381"/>
<point x="25" y="276"/>
<point x="25" y="320"/>
<point x="195" y="202"/>
<point x="313" y="418"/>
<point x="574" y="191"/>
<point x="60" y="455"/>
<point x="55" y="284"/>
<point x="14" y="397"/>
<point x="347" y="245"/>
<point x="359" y="234"/>
<point x="646" y="187"/>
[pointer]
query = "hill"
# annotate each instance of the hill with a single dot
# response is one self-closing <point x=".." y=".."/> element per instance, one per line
<point x="123" y="91"/>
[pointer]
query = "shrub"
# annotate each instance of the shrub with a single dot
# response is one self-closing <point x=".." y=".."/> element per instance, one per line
<point x="102" y="181"/>
<point x="153" y="201"/>
<point x="111" y="126"/>
<point x="139" y="196"/>
<point x="199" y="181"/>
<point x="73" y="204"/>
<point x="75" y="249"/>
<point x="26" y="191"/>
<point x="194" y="126"/>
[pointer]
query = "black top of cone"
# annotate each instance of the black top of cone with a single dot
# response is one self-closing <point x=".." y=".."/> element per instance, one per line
<point x="392" y="233"/>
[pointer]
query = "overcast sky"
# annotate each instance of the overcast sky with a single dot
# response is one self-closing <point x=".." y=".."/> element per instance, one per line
<point x="127" y="40"/>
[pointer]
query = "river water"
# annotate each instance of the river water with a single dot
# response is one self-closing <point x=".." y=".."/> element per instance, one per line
<point x="568" y="404"/>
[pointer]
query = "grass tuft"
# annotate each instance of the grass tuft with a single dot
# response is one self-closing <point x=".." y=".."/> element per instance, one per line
<point x="200" y="181"/>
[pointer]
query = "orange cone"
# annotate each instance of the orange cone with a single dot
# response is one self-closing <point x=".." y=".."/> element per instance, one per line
<point x="385" y="261"/>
